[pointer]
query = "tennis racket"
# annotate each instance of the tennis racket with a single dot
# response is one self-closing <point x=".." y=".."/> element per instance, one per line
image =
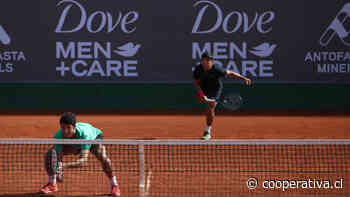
<point x="231" y="101"/>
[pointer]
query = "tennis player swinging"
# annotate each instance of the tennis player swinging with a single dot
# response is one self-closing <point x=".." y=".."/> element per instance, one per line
<point x="208" y="83"/>
<point x="70" y="129"/>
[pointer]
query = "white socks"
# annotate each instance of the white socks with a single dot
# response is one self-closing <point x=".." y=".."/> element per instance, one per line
<point x="52" y="179"/>
<point x="114" y="180"/>
<point x="208" y="129"/>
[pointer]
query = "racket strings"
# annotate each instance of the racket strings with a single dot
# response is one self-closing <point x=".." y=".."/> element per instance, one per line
<point x="231" y="101"/>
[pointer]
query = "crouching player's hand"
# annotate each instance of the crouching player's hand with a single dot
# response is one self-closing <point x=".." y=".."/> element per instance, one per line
<point x="59" y="172"/>
<point x="60" y="166"/>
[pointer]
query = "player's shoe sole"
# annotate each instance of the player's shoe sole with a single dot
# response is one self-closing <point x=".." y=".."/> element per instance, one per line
<point x="115" y="190"/>
<point x="49" y="188"/>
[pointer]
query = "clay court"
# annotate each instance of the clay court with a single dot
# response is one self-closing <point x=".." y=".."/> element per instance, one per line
<point x="158" y="126"/>
<point x="134" y="68"/>
<point x="189" y="126"/>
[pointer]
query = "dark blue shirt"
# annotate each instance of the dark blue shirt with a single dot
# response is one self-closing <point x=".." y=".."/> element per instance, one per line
<point x="211" y="80"/>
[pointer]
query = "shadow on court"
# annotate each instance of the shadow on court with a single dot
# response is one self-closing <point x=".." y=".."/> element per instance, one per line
<point x="26" y="195"/>
<point x="97" y="195"/>
<point x="45" y="195"/>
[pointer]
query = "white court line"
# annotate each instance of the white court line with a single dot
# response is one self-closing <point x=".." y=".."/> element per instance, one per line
<point x="148" y="182"/>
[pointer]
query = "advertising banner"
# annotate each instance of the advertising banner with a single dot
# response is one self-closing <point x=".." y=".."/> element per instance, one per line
<point x="78" y="41"/>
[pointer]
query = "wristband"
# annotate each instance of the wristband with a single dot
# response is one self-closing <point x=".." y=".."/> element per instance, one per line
<point x="200" y="93"/>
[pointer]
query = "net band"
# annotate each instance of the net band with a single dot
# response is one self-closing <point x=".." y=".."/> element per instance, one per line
<point x="178" y="142"/>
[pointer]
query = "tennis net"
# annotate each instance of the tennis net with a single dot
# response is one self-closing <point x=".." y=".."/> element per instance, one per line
<point x="185" y="168"/>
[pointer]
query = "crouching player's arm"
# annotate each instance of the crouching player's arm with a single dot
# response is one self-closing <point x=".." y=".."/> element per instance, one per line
<point x="83" y="158"/>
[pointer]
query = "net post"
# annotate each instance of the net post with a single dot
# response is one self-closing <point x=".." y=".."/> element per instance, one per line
<point x="142" y="169"/>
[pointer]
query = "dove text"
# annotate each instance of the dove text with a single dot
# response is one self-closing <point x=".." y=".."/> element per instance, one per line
<point x="109" y="68"/>
<point x="95" y="22"/>
<point x="233" y="56"/>
<point x="231" y="22"/>
<point x="220" y="50"/>
<point x="262" y="68"/>
<point x="86" y="59"/>
<point x="83" y="50"/>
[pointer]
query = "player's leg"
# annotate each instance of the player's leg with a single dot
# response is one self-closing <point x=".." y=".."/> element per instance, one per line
<point x="51" y="165"/>
<point x="100" y="152"/>
<point x="210" y="113"/>
<point x="209" y="116"/>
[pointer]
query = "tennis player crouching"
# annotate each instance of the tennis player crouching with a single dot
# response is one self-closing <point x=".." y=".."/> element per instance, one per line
<point x="208" y="82"/>
<point x="70" y="129"/>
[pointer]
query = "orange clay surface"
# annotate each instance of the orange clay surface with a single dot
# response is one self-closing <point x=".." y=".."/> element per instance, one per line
<point x="164" y="127"/>
<point x="185" y="126"/>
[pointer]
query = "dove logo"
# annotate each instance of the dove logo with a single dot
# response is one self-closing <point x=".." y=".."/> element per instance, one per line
<point x="232" y="22"/>
<point x="4" y="37"/>
<point x="263" y="50"/>
<point x="338" y="28"/>
<point x="94" y="57"/>
<point x="212" y="18"/>
<point x="104" y="20"/>
<point x="128" y="49"/>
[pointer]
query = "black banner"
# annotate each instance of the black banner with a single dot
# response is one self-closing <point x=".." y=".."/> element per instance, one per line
<point x="76" y="41"/>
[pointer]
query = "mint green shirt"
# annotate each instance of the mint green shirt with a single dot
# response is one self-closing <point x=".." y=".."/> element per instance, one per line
<point x="83" y="131"/>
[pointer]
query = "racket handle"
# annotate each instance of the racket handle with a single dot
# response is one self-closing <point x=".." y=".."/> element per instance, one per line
<point x="211" y="100"/>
